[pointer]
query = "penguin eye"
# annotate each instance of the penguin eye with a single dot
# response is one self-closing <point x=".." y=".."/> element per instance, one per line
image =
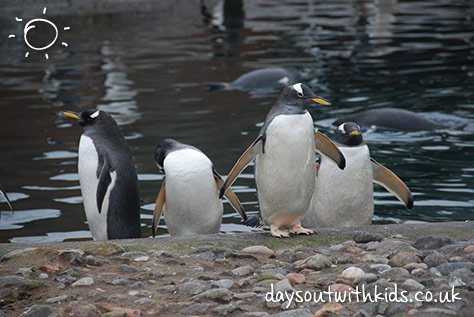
<point x="300" y="94"/>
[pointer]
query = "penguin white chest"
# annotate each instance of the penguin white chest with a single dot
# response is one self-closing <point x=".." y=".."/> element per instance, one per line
<point x="343" y="198"/>
<point x="285" y="171"/>
<point x="192" y="202"/>
<point x="89" y="180"/>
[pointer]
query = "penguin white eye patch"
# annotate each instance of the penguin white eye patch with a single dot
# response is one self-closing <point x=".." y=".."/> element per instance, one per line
<point x="299" y="90"/>
<point x="95" y="114"/>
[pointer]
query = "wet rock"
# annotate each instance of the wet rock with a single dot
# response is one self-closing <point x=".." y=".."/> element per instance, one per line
<point x="403" y="258"/>
<point x="434" y="259"/>
<point x="295" y="278"/>
<point x="431" y="243"/>
<point x="412" y="285"/>
<point x="85" y="281"/>
<point x="300" y="312"/>
<point x="243" y="270"/>
<point x="207" y="256"/>
<point x="394" y="274"/>
<point x="315" y="262"/>
<point x="14" y="253"/>
<point x="352" y="273"/>
<point x="364" y="237"/>
<point x="259" y="250"/>
<point x="192" y="287"/>
<point x="215" y="294"/>
<point x="447" y="268"/>
<point x="40" y="311"/>
<point x="20" y="282"/>
<point x="82" y="309"/>
<point x="224" y="283"/>
<point x="57" y="299"/>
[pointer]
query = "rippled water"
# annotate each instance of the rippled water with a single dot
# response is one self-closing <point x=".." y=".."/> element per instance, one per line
<point x="148" y="65"/>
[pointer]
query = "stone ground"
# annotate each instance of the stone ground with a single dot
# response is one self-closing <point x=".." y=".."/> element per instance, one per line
<point x="231" y="274"/>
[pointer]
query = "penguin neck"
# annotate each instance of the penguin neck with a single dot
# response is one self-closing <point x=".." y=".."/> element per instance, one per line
<point x="284" y="107"/>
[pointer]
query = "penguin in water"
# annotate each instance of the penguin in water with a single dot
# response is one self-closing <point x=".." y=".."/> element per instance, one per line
<point x="189" y="195"/>
<point x="391" y="118"/>
<point x="3" y="194"/>
<point x="285" y="161"/>
<point x="259" y="80"/>
<point x="109" y="182"/>
<point x="345" y="199"/>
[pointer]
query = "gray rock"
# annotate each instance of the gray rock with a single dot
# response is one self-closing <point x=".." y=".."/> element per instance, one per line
<point x="434" y="259"/>
<point x="286" y="256"/>
<point x="25" y="272"/>
<point x="135" y="254"/>
<point x="120" y="281"/>
<point x="418" y="272"/>
<point x="447" y="268"/>
<point x="43" y="276"/>
<point x="127" y="269"/>
<point x="256" y="314"/>
<point x="196" y="309"/>
<point x="395" y="273"/>
<point x="279" y="271"/>
<point x="57" y="299"/>
<point x="224" y="310"/>
<point x="403" y="258"/>
<point x="2" y="314"/>
<point x="207" y="256"/>
<point x="460" y="277"/>
<point x="344" y="258"/>
<point x="431" y="243"/>
<point x="283" y="286"/>
<point x="85" y="281"/>
<point x="412" y="285"/>
<point x="373" y="258"/>
<point x="413" y="266"/>
<point x="136" y="285"/>
<point x="433" y="311"/>
<point x="242" y="271"/>
<point x="361" y="313"/>
<point x="380" y="267"/>
<point x="389" y="247"/>
<point x="300" y="312"/>
<point x="434" y="272"/>
<point x="352" y="273"/>
<point x="20" y="282"/>
<point x="372" y="246"/>
<point x="364" y="237"/>
<point x="224" y="283"/>
<point x="245" y="295"/>
<point x="315" y="262"/>
<point x="13" y="253"/>
<point x="259" y="250"/>
<point x="366" y="278"/>
<point x="40" y="311"/>
<point x="192" y="287"/>
<point x="215" y="294"/>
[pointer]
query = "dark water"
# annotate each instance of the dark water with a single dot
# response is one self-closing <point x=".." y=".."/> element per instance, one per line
<point x="148" y="64"/>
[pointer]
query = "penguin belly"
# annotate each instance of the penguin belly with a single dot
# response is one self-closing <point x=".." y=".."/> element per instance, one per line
<point x="343" y="198"/>
<point x="89" y="180"/>
<point x="285" y="172"/>
<point x="192" y="202"/>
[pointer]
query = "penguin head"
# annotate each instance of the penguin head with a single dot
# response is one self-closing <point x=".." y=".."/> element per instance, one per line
<point x="164" y="148"/>
<point x="348" y="134"/>
<point x="90" y="119"/>
<point x="301" y="96"/>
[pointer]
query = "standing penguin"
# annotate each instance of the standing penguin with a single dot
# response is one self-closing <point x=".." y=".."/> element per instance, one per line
<point x="285" y="161"/>
<point x="344" y="199"/>
<point x="109" y="182"/>
<point x="189" y="194"/>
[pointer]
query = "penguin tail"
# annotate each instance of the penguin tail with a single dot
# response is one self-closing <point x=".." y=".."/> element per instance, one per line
<point x="254" y="222"/>
<point x="218" y="86"/>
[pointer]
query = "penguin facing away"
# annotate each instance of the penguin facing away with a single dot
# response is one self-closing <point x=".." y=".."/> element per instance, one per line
<point x="109" y="182"/>
<point x="285" y="161"/>
<point x="189" y="195"/>
<point x="344" y="199"/>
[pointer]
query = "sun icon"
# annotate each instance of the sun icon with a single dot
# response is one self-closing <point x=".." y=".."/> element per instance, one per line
<point x="31" y="25"/>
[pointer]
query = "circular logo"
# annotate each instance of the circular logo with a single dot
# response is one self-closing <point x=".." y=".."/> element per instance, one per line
<point x="30" y="26"/>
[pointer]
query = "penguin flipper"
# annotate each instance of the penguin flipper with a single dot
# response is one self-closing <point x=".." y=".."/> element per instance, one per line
<point x="103" y="185"/>
<point x="327" y="148"/>
<point x="391" y="182"/>
<point x="160" y="202"/>
<point x="243" y="161"/>
<point x="5" y="197"/>
<point x="231" y="197"/>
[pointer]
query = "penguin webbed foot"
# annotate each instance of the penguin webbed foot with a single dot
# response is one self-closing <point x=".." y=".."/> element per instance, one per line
<point x="276" y="232"/>
<point x="299" y="230"/>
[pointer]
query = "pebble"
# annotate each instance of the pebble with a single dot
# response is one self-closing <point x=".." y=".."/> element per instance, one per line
<point x="435" y="272"/>
<point x="215" y="294"/>
<point x="364" y="237"/>
<point x="81" y="309"/>
<point x="224" y="283"/>
<point x="295" y="278"/>
<point x="207" y="256"/>
<point x="412" y="266"/>
<point x="134" y="254"/>
<point x="40" y="311"/>
<point x="85" y="281"/>
<point x="120" y="281"/>
<point x="431" y="243"/>
<point x="196" y="309"/>
<point x="259" y="250"/>
<point x="442" y="312"/>
<point x="286" y="256"/>
<point x="227" y="309"/>
<point x="340" y="288"/>
<point x="447" y="268"/>
<point x="283" y="286"/>
<point x="352" y="273"/>
<point x="412" y="285"/>
<point x="418" y="272"/>
<point x="380" y="267"/>
<point x="373" y="258"/>
<point x="19" y="281"/>
<point x="242" y="271"/>
<point x="469" y="249"/>
<point x="127" y="269"/>
<point x="142" y="258"/>
<point x="434" y="259"/>
<point x="366" y="278"/>
<point x="372" y="246"/>
<point x="245" y="295"/>
<point x="25" y="272"/>
<point x="315" y="262"/>
<point x="394" y="274"/>
<point x="403" y="258"/>
<point x="43" y="276"/>
<point x="389" y="247"/>
<point x="57" y="299"/>
<point x="192" y="288"/>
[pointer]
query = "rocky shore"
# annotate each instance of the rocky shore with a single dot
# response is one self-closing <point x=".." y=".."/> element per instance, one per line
<point x="243" y="274"/>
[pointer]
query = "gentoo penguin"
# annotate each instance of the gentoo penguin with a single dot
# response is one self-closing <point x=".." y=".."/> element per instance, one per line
<point x="285" y="161"/>
<point x="3" y="193"/>
<point x="109" y="182"/>
<point x="259" y="79"/>
<point x="189" y="195"/>
<point x="391" y="118"/>
<point x="344" y="199"/>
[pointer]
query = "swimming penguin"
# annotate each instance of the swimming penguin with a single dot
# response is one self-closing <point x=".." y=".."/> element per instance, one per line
<point x="109" y="182"/>
<point x="189" y="195"/>
<point x="344" y="199"/>
<point x="285" y="161"/>
<point x="391" y="118"/>
<point x="3" y="193"/>
<point x="259" y="79"/>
